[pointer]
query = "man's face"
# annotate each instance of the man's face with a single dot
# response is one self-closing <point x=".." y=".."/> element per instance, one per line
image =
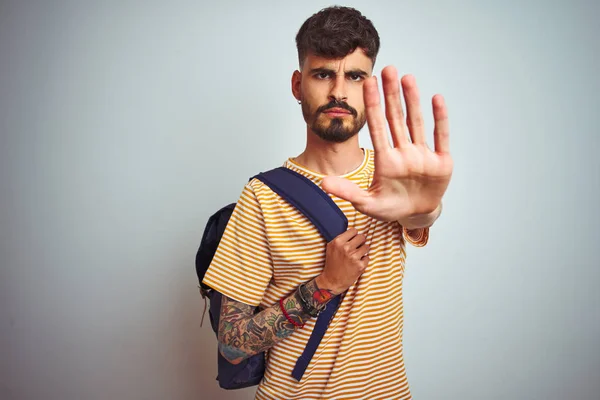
<point x="331" y="91"/>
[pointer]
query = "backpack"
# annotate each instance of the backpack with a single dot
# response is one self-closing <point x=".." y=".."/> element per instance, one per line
<point x="327" y="217"/>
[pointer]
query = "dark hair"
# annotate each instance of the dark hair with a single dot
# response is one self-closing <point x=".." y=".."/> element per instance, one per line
<point x="335" y="32"/>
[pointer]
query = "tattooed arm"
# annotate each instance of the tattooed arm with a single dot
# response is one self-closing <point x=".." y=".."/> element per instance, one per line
<point x="243" y="334"/>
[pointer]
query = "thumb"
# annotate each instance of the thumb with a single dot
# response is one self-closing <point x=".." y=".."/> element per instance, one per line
<point x="344" y="189"/>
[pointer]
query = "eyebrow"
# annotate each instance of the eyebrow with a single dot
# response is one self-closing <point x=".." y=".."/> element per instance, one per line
<point x="356" y="71"/>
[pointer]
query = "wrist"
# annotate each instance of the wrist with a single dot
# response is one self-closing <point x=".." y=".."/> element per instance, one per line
<point x="323" y="284"/>
<point x="306" y="304"/>
<point x="420" y="221"/>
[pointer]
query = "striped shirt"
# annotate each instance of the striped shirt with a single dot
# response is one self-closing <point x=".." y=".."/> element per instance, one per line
<point x="269" y="248"/>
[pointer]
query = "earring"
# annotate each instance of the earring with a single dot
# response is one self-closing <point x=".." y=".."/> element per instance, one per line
<point x="299" y="102"/>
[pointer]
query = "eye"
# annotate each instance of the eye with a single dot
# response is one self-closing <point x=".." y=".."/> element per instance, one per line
<point x="322" y="75"/>
<point x="356" y="77"/>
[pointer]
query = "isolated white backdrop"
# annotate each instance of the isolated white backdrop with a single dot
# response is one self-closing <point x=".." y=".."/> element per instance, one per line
<point x="124" y="125"/>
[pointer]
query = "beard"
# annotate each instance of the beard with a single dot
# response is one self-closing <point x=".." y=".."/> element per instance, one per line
<point x="336" y="130"/>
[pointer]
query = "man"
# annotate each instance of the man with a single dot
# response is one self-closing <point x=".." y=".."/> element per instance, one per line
<point x="271" y="256"/>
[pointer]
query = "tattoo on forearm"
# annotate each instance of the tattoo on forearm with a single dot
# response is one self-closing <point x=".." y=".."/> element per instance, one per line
<point x="242" y="333"/>
<point x="319" y="297"/>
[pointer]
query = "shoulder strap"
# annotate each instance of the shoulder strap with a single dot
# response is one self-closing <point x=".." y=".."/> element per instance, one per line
<point x="308" y="198"/>
<point x="322" y="211"/>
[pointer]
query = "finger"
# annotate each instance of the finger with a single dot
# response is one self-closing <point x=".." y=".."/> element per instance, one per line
<point x="344" y="189"/>
<point x="375" y="119"/>
<point x="346" y="236"/>
<point x="393" y="106"/>
<point x="414" y="119"/>
<point x="441" y="132"/>
<point x="357" y="241"/>
<point x="362" y="251"/>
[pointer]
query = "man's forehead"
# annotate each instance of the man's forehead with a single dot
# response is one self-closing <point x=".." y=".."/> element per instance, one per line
<point x="355" y="60"/>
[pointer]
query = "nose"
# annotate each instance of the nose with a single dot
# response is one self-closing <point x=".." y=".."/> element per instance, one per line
<point x="338" y="89"/>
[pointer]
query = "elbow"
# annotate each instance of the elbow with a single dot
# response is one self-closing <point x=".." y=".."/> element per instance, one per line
<point x="232" y="354"/>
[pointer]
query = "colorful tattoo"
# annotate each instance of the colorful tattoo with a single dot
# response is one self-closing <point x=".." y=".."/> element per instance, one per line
<point x="320" y="297"/>
<point x="231" y="353"/>
<point x="242" y="333"/>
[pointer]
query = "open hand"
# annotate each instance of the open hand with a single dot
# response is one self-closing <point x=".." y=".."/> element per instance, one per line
<point x="410" y="179"/>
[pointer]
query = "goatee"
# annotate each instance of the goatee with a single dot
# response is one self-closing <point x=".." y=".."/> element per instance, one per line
<point x="335" y="131"/>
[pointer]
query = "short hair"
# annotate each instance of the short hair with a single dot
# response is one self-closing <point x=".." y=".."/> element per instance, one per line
<point x="335" y="32"/>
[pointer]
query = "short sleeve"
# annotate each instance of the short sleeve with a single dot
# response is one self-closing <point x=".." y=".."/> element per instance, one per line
<point x="242" y="266"/>
<point x="417" y="237"/>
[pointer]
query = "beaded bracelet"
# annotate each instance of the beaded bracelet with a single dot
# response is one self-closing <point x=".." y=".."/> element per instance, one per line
<point x="287" y="315"/>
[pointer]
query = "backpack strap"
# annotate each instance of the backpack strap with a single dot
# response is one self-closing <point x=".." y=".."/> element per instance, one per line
<point x="317" y="334"/>
<point x="331" y="222"/>
<point x="308" y="198"/>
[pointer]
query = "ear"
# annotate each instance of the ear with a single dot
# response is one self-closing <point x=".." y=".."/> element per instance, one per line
<point x="296" y="82"/>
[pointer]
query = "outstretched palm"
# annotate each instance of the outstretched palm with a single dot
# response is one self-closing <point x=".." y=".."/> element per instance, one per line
<point x="409" y="179"/>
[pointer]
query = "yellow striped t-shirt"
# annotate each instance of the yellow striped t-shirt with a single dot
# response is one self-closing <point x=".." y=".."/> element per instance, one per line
<point x="269" y="248"/>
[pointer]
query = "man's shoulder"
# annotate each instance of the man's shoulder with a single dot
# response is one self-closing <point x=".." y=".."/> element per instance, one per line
<point x="260" y="190"/>
<point x="257" y="185"/>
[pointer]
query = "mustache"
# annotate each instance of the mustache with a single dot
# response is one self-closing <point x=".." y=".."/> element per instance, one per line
<point x="337" y="104"/>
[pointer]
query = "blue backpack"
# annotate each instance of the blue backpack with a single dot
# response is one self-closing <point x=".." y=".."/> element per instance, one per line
<point x="327" y="217"/>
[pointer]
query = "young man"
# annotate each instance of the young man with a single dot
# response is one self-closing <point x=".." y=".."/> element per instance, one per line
<point x="270" y="255"/>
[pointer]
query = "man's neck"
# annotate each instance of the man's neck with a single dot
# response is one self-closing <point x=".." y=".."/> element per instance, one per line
<point x="333" y="159"/>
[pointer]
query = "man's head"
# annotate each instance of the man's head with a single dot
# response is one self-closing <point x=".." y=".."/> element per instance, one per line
<point x="337" y="49"/>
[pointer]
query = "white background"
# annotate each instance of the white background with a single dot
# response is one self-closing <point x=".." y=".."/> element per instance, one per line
<point x="125" y="124"/>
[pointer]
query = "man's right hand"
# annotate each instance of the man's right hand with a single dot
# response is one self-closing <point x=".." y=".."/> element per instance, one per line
<point x="346" y="258"/>
<point x="242" y="333"/>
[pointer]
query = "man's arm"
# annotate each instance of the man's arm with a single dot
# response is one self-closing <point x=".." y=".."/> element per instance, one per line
<point x="243" y="334"/>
